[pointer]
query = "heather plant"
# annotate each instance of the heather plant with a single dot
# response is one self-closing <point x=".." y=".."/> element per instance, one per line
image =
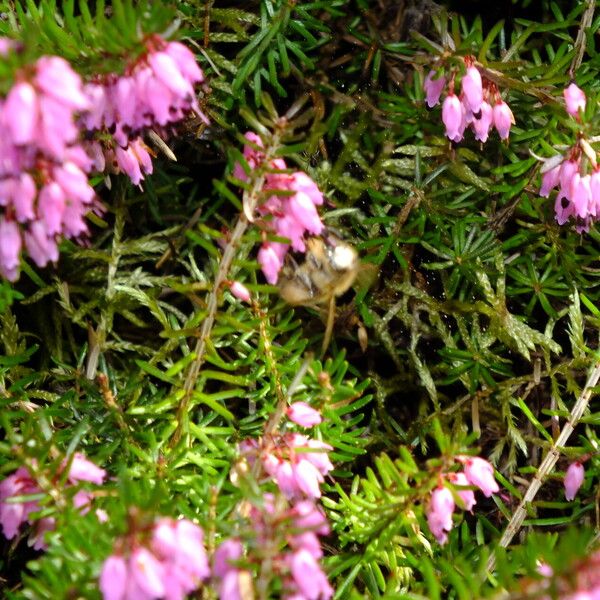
<point x="171" y="426"/>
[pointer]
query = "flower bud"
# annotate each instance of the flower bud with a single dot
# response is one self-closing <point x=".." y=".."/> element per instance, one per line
<point x="573" y="480"/>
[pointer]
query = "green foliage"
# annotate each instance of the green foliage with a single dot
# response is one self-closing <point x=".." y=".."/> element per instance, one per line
<point x="482" y="322"/>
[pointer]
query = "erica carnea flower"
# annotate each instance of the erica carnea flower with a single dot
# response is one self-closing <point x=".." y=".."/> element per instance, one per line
<point x="289" y="211"/>
<point x="170" y="564"/>
<point x="293" y="529"/>
<point x="574" y="99"/>
<point x="573" y="480"/>
<point x="439" y="513"/>
<point x="44" y="190"/>
<point x="21" y="483"/>
<point x="433" y="86"/>
<point x="479" y="472"/>
<point x="479" y="105"/>
<point x="240" y="291"/>
<point x="304" y="415"/>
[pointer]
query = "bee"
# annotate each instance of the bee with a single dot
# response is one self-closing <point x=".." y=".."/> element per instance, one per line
<point x="329" y="268"/>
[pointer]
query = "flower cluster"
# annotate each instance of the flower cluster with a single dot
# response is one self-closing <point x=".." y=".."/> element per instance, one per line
<point x="576" y="174"/>
<point x="290" y="209"/>
<point x="287" y="537"/>
<point x="478" y="106"/>
<point x="21" y="483"/>
<point x="44" y="164"/>
<point x="295" y="462"/>
<point x="155" y="92"/>
<point x="573" y="480"/>
<point x="168" y="562"/>
<point x="284" y="529"/>
<point x="477" y="472"/>
<point x="44" y="190"/>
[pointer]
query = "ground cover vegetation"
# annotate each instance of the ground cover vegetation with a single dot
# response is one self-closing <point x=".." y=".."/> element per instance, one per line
<point x="299" y="299"/>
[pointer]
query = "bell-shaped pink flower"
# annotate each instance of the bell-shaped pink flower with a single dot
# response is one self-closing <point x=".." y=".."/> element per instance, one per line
<point x="305" y="213"/>
<point x="480" y="473"/>
<point x="186" y="61"/>
<point x="467" y="496"/>
<point x="113" y="578"/>
<point x="51" y="206"/>
<point x="439" y="513"/>
<point x="550" y="179"/>
<point x="307" y="478"/>
<point x="567" y="170"/>
<point x="574" y="99"/>
<point x="594" y="207"/>
<point x="503" y="119"/>
<point x="573" y="480"/>
<point x="165" y="68"/>
<point x="226" y="555"/>
<point x="40" y="246"/>
<point x="433" y="88"/>
<point x="270" y="262"/>
<point x="309" y="577"/>
<point x="580" y="194"/>
<point x="304" y="415"/>
<point x="240" y="291"/>
<point x="318" y="455"/>
<point x="472" y="89"/>
<point x="452" y="117"/>
<point x="83" y="469"/>
<point x="483" y="124"/>
<point x="563" y="208"/>
<point x="147" y="572"/>
<point x="10" y="249"/>
<point x="56" y="78"/>
<point x="20" y="113"/>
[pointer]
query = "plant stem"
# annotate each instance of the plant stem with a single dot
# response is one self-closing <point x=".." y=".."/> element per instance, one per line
<point x="250" y="202"/>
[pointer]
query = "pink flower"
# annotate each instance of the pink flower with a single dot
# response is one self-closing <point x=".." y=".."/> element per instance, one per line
<point x="226" y="555"/>
<point x="113" y="578"/>
<point x="503" y="119"/>
<point x="309" y="577"/>
<point x="84" y="470"/>
<point x="240" y="291"/>
<point x="439" y="513"/>
<point x="483" y="124"/>
<point x="55" y="78"/>
<point x="594" y="207"/>
<point x="15" y="514"/>
<point x="185" y="61"/>
<point x="41" y="247"/>
<point x="574" y="99"/>
<point x="10" y="249"/>
<point x="270" y="262"/>
<point x="573" y="480"/>
<point x="452" y="117"/>
<point x="563" y="208"/>
<point x="568" y="169"/>
<point x="147" y="572"/>
<point x="550" y="179"/>
<point x="21" y="112"/>
<point x="580" y="194"/>
<point x="433" y="88"/>
<point x="480" y="473"/>
<point x="472" y="89"/>
<point x="304" y="415"/>
<point x="467" y="496"/>
<point x="307" y="478"/>
<point x="229" y="587"/>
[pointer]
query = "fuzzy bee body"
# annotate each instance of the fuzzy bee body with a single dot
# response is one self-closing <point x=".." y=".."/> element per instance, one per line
<point x="329" y="268"/>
